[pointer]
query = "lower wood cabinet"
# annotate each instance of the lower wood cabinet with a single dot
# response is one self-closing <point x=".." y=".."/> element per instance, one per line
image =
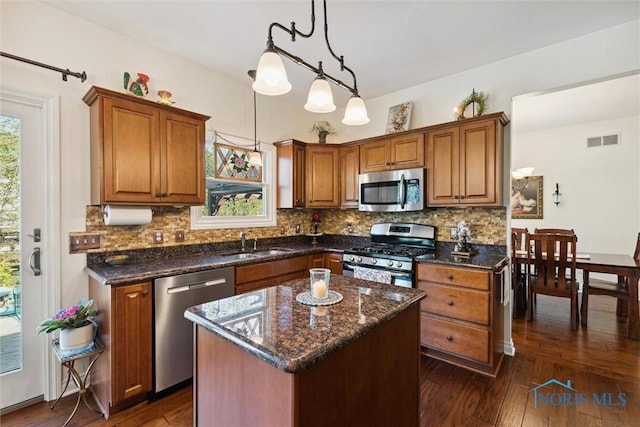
<point x="122" y="375"/>
<point x="461" y="318"/>
<point x="264" y="274"/>
<point x="333" y="261"/>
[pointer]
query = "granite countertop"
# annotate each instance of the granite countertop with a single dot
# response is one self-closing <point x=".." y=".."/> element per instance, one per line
<point x="292" y="336"/>
<point x="149" y="269"/>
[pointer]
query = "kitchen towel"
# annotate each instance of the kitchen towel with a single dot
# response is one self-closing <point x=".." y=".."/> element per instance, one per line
<point x="127" y="215"/>
<point x="372" y="274"/>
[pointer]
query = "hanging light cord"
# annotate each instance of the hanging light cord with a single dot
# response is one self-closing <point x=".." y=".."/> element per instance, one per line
<point x="293" y="32"/>
<point x="255" y="123"/>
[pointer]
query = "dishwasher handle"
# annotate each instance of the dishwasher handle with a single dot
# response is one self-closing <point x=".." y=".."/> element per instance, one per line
<point x="185" y="288"/>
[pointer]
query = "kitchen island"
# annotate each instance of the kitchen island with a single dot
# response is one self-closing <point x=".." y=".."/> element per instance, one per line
<point x="263" y="358"/>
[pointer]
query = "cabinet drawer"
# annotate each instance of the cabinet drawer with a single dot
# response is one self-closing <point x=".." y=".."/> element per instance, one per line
<point x="456" y="339"/>
<point x="458" y="303"/>
<point x="470" y="278"/>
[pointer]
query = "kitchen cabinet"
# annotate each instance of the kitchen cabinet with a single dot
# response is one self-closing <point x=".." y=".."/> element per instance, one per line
<point x="464" y="162"/>
<point x="291" y="174"/>
<point x="316" y="260"/>
<point x="349" y="171"/>
<point x="264" y="274"/>
<point x="461" y="318"/>
<point x="323" y="176"/>
<point x="122" y="376"/>
<point x="143" y="152"/>
<point x="333" y="261"/>
<point x="391" y="153"/>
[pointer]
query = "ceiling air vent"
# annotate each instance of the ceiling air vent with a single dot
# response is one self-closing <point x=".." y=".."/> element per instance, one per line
<point x="600" y="141"/>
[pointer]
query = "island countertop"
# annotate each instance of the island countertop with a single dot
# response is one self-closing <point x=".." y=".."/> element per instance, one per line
<point x="272" y="325"/>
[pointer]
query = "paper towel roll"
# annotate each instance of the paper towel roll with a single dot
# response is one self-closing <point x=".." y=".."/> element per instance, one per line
<point x="127" y="215"/>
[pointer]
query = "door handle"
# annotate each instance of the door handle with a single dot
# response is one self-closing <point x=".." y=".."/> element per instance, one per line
<point x="34" y="261"/>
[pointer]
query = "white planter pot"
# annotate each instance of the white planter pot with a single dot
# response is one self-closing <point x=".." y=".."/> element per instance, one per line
<point x="73" y="339"/>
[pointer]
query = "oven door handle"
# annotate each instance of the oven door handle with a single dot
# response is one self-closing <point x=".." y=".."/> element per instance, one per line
<point x="403" y="192"/>
<point x="394" y="274"/>
<point x="350" y="266"/>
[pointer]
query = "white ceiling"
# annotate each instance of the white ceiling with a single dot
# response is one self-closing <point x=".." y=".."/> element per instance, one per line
<point x="390" y="45"/>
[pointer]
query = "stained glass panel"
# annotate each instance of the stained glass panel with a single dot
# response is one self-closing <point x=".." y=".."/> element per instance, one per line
<point x="233" y="163"/>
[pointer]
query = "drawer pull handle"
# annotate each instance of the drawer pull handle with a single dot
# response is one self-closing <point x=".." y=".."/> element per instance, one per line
<point x="450" y="276"/>
<point x="450" y="303"/>
<point x="449" y="338"/>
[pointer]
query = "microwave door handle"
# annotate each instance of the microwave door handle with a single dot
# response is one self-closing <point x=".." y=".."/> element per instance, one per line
<point x="403" y="192"/>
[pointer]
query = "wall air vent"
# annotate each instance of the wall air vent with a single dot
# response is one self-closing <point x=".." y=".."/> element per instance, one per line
<point x="600" y="141"/>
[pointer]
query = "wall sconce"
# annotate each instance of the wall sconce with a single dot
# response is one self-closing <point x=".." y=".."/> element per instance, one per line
<point x="556" y="195"/>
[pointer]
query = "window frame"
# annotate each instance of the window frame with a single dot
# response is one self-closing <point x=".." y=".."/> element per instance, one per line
<point x="201" y="222"/>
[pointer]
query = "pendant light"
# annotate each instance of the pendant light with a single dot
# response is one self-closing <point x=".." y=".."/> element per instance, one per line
<point x="255" y="158"/>
<point x="272" y="76"/>
<point x="320" y="98"/>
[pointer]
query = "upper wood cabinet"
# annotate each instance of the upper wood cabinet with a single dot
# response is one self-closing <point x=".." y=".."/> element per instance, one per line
<point x="291" y="174"/>
<point x="397" y="152"/>
<point x="323" y="176"/>
<point x="143" y="152"/>
<point x="349" y="170"/>
<point x="464" y="162"/>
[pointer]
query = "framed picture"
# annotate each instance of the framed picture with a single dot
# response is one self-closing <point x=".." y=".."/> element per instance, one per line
<point x="526" y="198"/>
<point x="398" y="119"/>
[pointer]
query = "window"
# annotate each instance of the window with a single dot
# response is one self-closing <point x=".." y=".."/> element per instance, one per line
<point x="237" y="195"/>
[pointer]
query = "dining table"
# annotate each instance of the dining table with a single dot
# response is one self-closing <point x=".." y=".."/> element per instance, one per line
<point x="617" y="264"/>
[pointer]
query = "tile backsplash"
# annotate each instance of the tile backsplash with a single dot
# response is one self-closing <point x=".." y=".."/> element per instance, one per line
<point x="489" y="226"/>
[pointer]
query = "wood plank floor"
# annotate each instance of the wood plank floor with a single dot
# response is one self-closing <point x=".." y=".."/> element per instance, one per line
<point x="598" y="359"/>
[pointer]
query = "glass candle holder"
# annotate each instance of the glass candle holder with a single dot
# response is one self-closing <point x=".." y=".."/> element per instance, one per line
<point x="319" y="282"/>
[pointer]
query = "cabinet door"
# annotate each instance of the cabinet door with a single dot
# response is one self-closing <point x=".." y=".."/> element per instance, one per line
<point x="291" y="174"/>
<point x="478" y="156"/>
<point x="407" y="151"/>
<point x="182" y="163"/>
<point x="333" y="262"/>
<point x="131" y="153"/>
<point x="349" y="170"/>
<point x="375" y="156"/>
<point x="322" y="176"/>
<point x="316" y="261"/>
<point x="443" y="170"/>
<point x="299" y="172"/>
<point x="131" y="341"/>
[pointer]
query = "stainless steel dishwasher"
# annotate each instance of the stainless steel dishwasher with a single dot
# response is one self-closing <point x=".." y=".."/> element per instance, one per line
<point x="173" y="343"/>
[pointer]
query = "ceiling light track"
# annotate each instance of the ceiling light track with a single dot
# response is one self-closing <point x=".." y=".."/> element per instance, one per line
<point x="271" y="76"/>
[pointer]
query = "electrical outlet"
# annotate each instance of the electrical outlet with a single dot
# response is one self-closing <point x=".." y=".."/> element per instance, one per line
<point x="157" y="236"/>
<point x="297" y="228"/>
<point x="83" y="242"/>
<point x="179" y="235"/>
<point x="453" y="233"/>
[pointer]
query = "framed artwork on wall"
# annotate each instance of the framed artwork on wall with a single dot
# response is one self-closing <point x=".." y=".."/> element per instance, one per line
<point x="398" y="119"/>
<point x="526" y="198"/>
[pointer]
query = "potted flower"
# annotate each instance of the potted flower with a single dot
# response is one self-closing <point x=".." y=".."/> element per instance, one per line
<point x="323" y="128"/>
<point x="75" y="323"/>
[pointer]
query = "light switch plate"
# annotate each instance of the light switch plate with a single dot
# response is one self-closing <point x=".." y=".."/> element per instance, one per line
<point x="83" y="241"/>
<point x="179" y="235"/>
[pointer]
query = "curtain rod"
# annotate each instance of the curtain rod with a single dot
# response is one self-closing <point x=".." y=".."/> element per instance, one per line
<point x="82" y="76"/>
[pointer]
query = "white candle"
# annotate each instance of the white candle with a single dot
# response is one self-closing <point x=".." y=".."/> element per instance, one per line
<point x="319" y="289"/>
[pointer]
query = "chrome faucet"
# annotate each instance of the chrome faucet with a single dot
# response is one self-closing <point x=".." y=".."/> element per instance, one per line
<point x="243" y="240"/>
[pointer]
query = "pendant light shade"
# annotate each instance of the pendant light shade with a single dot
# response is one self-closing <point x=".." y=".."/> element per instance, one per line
<point x="356" y="112"/>
<point x="255" y="158"/>
<point x="320" y="98"/>
<point x="271" y="77"/>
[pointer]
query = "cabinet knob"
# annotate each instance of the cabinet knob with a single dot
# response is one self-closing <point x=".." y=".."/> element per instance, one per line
<point x="450" y="276"/>
<point x="449" y="338"/>
<point x="164" y="194"/>
<point x="462" y="196"/>
<point x="456" y="197"/>
<point x="145" y="292"/>
<point x="158" y="194"/>
<point x="450" y="303"/>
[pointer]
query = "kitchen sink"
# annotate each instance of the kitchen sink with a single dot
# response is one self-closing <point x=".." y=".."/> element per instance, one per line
<point x="255" y="254"/>
<point x="238" y="255"/>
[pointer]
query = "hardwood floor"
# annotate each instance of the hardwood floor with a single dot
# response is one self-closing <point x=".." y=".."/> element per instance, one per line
<point x="598" y="359"/>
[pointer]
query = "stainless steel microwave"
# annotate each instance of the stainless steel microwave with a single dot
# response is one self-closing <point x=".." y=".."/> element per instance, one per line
<point x="392" y="191"/>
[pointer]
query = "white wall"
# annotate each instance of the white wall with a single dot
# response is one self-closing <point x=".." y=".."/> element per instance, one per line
<point x="600" y="186"/>
<point x="37" y="31"/>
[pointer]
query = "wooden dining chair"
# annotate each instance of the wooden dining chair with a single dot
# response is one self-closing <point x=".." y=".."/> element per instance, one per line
<point x="551" y="270"/>
<point x="619" y="290"/>
<point x="519" y="243"/>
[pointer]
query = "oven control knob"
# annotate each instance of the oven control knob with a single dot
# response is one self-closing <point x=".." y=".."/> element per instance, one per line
<point x="399" y="264"/>
<point x="353" y="258"/>
<point x="359" y="259"/>
<point x="390" y="263"/>
<point x="374" y="261"/>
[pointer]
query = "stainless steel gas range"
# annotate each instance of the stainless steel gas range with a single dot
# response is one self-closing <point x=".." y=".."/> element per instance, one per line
<point x="390" y="257"/>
